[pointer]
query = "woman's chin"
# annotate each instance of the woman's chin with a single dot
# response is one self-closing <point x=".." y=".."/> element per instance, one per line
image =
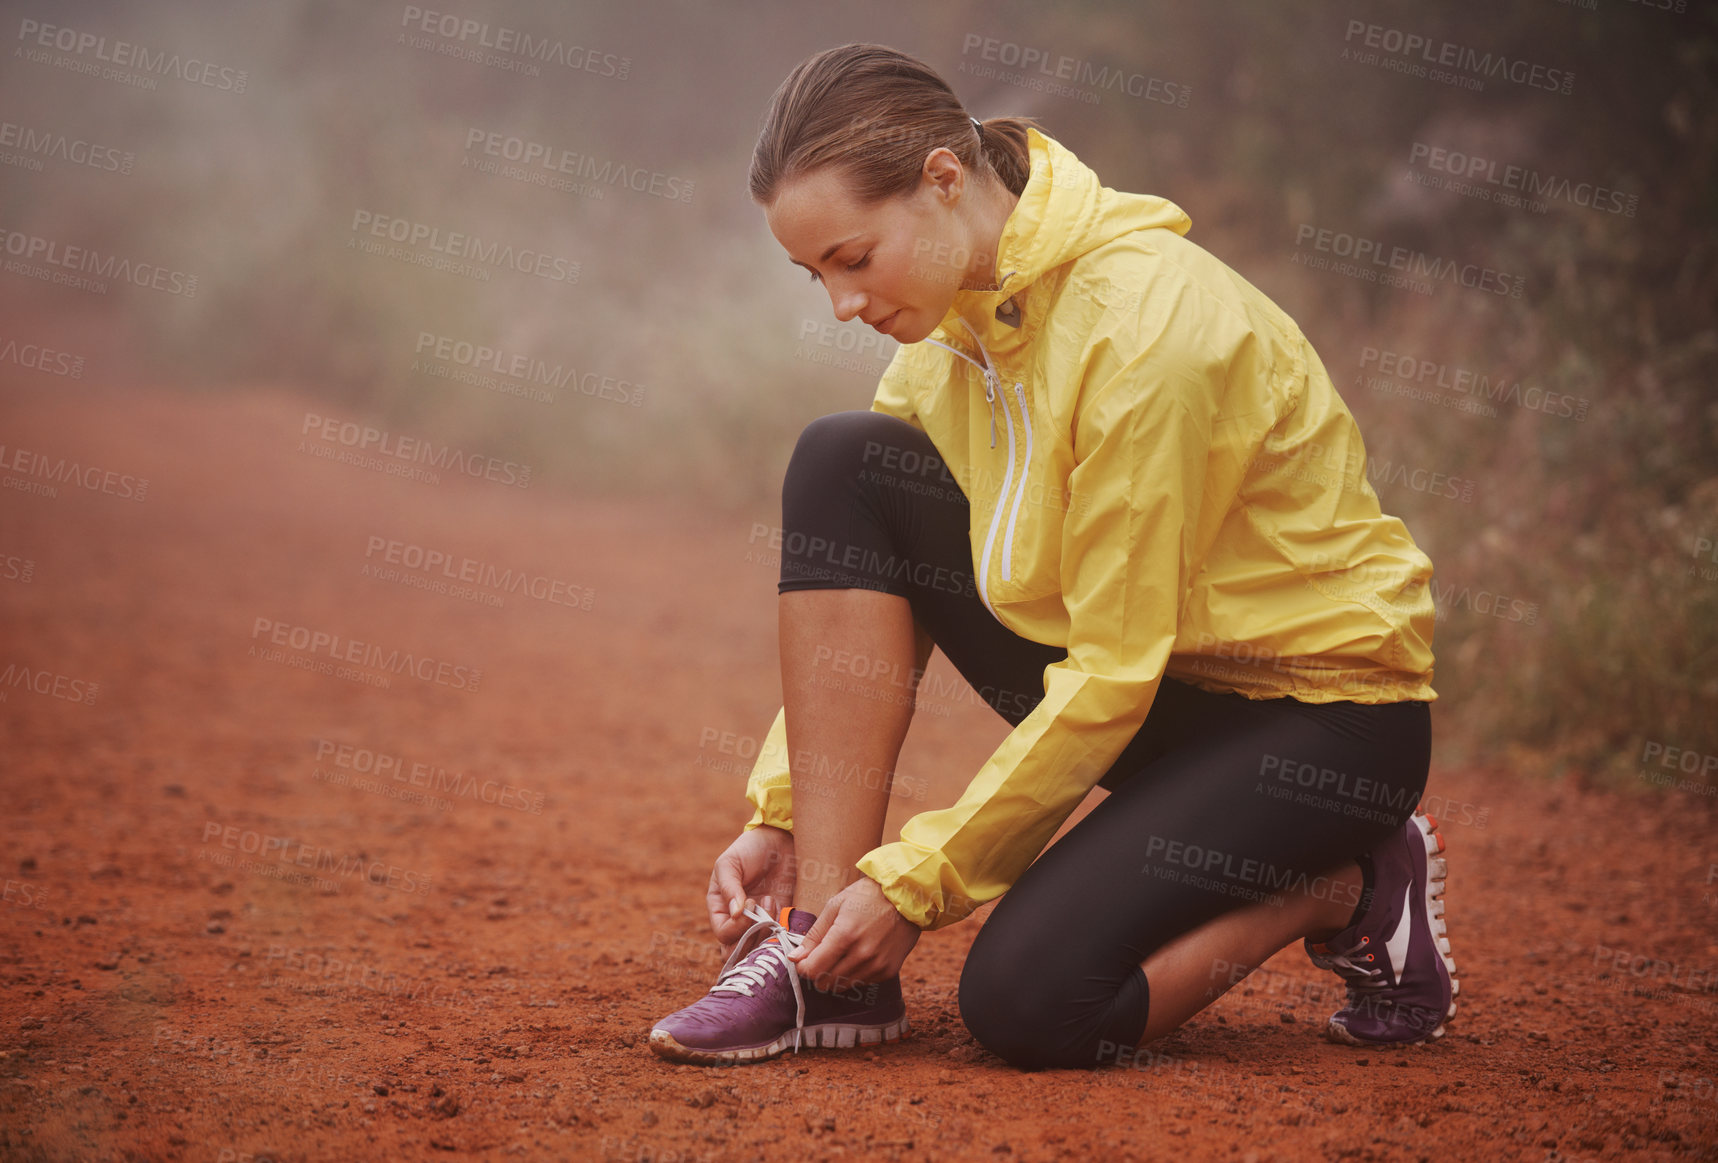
<point x="907" y="329"/>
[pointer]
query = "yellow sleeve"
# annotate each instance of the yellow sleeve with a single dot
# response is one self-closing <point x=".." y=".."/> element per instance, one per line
<point x="768" y="787"/>
<point x="1140" y="447"/>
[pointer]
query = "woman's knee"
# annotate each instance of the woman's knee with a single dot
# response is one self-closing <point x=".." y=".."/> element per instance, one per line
<point x="1017" y="1015"/>
<point x="851" y="440"/>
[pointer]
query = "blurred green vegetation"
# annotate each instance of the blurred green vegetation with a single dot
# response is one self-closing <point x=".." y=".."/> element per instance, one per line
<point x="1596" y="523"/>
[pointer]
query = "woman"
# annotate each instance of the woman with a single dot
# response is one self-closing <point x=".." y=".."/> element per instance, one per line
<point x="1115" y="485"/>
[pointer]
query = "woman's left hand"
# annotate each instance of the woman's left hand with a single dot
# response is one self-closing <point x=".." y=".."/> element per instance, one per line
<point x="859" y="936"/>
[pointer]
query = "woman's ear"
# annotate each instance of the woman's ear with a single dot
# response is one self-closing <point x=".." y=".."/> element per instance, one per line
<point x="942" y="169"/>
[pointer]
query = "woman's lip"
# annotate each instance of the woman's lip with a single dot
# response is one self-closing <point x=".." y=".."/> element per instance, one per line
<point x="886" y="324"/>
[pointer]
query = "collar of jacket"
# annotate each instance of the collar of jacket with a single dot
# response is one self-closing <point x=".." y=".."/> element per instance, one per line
<point x="1063" y="213"/>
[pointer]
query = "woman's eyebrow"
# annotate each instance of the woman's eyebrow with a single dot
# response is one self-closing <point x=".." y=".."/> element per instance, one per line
<point x="837" y="247"/>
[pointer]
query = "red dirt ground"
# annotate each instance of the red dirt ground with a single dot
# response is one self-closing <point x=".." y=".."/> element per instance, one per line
<point x="165" y="999"/>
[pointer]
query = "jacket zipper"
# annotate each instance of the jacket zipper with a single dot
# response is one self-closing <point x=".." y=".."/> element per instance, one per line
<point x="990" y="384"/>
<point x="1025" y="463"/>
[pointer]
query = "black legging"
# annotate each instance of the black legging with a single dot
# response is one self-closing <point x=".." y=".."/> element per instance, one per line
<point x="1219" y="801"/>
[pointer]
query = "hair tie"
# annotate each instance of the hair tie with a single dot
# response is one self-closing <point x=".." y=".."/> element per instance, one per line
<point x="977" y="124"/>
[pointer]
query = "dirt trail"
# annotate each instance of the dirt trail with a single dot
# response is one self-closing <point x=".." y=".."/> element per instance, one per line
<point x="254" y="910"/>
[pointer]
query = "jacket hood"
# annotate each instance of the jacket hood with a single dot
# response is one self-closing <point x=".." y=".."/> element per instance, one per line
<point x="1063" y="213"/>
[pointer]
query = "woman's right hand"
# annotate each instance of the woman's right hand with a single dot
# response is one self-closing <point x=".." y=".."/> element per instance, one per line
<point x="759" y="866"/>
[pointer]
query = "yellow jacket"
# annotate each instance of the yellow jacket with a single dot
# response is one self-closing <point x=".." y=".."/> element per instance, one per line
<point x="1163" y="480"/>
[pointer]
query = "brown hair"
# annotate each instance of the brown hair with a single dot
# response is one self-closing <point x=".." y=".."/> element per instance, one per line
<point x="876" y="112"/>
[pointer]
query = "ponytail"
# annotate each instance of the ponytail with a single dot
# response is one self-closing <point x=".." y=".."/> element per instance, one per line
<point x="876" y="112"/>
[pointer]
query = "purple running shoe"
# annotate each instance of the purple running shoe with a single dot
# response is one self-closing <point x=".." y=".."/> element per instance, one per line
<point x="1396" y="959"/>
<point x="760" y="1005"/>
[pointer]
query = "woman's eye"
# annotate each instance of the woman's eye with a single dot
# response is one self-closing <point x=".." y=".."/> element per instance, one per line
<point x="854" y="266"/>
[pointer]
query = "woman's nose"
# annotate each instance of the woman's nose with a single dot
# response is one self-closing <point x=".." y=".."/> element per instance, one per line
<point x="848" y="304"/>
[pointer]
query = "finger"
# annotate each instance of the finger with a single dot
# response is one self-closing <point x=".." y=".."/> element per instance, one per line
<point x="730" y="888"/>
<point x="716" y="897"/>
<point x="827" y="943"/>
<point x="713" y="894"/>
<point x="719" y="919"/>
<point x="819" y="929"/>
<point x="729" y="929"/>
<point x="725" y="927"/>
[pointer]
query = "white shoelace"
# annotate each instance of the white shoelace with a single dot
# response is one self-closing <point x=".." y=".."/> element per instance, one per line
<point x="1373" y="977"/>
<point x="742" y="978"/>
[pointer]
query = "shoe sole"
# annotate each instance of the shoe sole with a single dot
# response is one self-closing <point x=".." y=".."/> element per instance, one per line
<point x="834" y="1036"/>
<point x="1437" y="871"/>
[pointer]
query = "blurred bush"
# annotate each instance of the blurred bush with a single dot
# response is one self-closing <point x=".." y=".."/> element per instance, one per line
<point x="1595" y="523"/>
